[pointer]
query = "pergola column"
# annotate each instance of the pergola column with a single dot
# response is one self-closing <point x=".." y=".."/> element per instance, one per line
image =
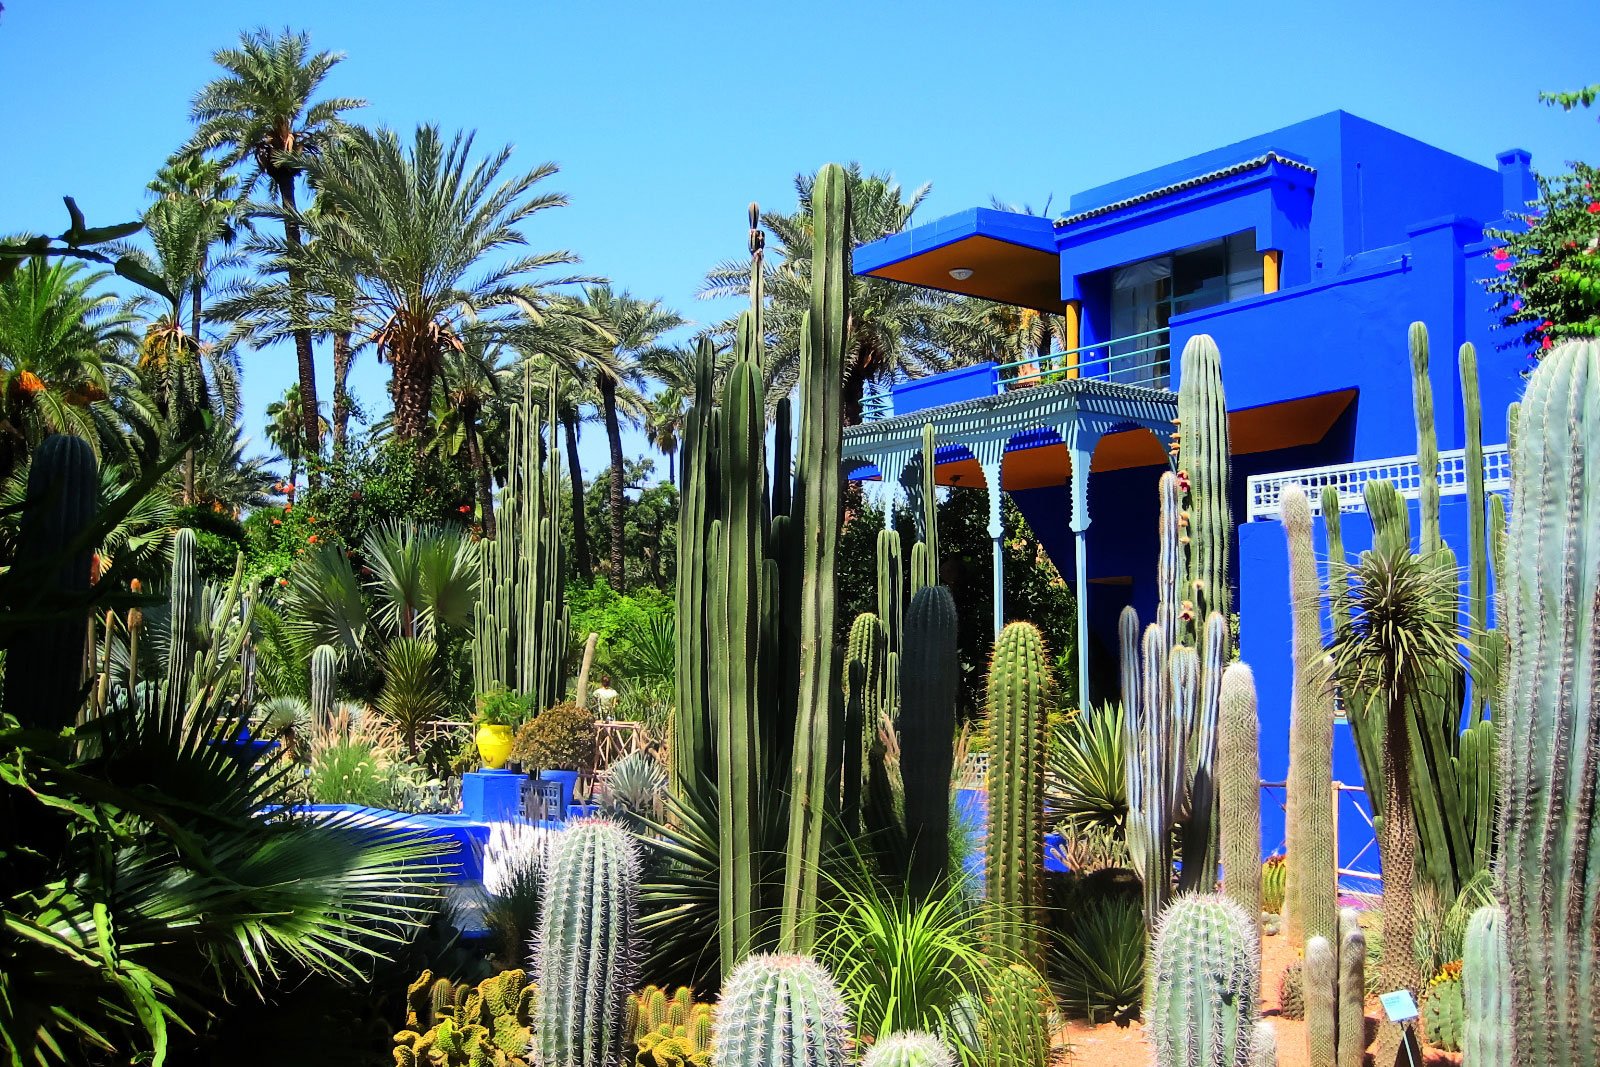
<point x="989" y="453"/>
<point x="1080" y="441"/>
<point x="892" y="473"/>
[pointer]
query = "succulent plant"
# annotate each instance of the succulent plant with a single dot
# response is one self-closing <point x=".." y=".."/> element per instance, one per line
<point x="911" y="1048"/>
<point x="1486" y="991"/>
<point x="1202" y="1006"/>
<point x="1444" y="1008"/>
<point x="780" y="1009"/>
<point x="1292" y="991"/>
<point x="1273" y="871"/>
<point x="1018" y="691"/>
<point x="461" y="1025"/>
<point x="929" y="677"/>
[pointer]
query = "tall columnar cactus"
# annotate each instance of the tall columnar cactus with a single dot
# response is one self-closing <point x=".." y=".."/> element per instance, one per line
<point x="818" y="507"/>
<point x="1239" y="798"/>
<point x="1549" y="718"/>
<point x="1206" y="977"/>
<point x="1018" y="694"/>
<point x="692" y="753"/>
<point x="891" y="586"/>
<point x="584" y="955"/>
<point x="1203" y="466"/>
<point x="1486" y="991"/>
<point x="1312" y="892"/>
<point x="865" y="654"/>
<point x="929" y="677"/>
<point x="1265" y="1052"/>
<point x="51" y="556"/>
<point x="1352" y="990"/>
<point x="780" y="1010"/>
<point x="521" y="623"/>
<point x="910" y="1048"/>
<point x="324" y="669"/>
<point x="1321" y="975"/>
<point x="183" y="621"/>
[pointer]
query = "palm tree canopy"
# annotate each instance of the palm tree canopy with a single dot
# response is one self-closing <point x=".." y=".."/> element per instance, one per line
<point x="261" y="109"/>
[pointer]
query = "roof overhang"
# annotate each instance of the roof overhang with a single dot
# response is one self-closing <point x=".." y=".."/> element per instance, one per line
<point x="1012" y="257"/>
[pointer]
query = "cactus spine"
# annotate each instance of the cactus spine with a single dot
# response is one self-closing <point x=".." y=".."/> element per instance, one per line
<point x="62" y="502"/>
<point x="1549" y="724"/>
<point x="1239" y="803"/>
<point x="584" y="955"/>
<point x="1312" y="891"/>
<point x="1019" y="690"/>
<point x="928" y="684"/>
<point x="1321" y="996"/>
<point x="911" y="1048"/>
<point x="1265" y="1052"/>
<point x="1205" y="984"/>
<point x="520" y="625"/>
<point x="780" y="1010"/>
<point x="818" y="504"/>
<point x="324" y="667"/>
<point x="1486" y="991"/>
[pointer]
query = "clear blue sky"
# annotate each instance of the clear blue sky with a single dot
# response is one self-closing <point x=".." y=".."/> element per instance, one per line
<point x="667" y="119"/>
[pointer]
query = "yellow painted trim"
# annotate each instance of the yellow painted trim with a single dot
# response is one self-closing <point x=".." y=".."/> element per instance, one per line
<point x="1271" y="270"/>
<point x="1074" y="316"/>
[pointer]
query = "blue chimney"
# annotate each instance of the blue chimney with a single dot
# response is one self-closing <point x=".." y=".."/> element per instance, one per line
<point x="1517" y="186"/>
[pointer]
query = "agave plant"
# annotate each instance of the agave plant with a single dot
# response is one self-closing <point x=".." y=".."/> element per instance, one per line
<point x="1085" y="772"/>
<point x="634" y="786"/>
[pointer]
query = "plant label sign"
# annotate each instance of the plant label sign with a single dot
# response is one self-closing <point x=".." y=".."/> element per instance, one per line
<point x="1400" y="1006"/>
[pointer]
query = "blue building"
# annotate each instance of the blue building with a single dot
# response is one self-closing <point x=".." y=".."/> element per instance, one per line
<point x="1305" y="253"/>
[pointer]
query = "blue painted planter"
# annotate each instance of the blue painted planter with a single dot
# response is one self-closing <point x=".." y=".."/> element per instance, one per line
<point x="463" y="839"/>
<point x="568" y="780"/>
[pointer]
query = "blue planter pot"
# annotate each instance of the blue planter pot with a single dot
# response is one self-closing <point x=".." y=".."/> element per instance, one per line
<point x="568" y="780"/>
<point x="582" y="811"/>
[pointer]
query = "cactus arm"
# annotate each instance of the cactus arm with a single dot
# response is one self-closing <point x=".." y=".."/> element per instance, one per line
<point x="1427" y="438"/>
<point x="1203" y="459"/>
<point x="1477" y="540"/>
<point x="1321" y="987"/>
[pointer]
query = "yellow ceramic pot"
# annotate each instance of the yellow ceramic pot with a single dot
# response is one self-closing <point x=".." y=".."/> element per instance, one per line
<point x="494" y="745"/>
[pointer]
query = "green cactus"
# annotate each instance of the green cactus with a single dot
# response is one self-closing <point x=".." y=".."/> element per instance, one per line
<point x="865" y="655"/>
<point x="1549" y="720"/>
<point x="585" y="950"/>
<point x="450" y="1025"/>
<point x="1443" y="1008"/>
<point x="665" y="1032"/>
<point x="925" y="553"/>
<point x="1206" y="976"/>
<point x="1352" y="991"/>
<point x="1018" y="695"/>
<point x="1239" y="800"/>
<point x="1311" y="894"/>
<point x="818" y="500"/>
<point x="324" y="669"/>
<point x="891" y="587"/>
<point x="62" y="503"/>
<point x="1321" y="978"/>
<point x="1486" y="991"/>
<point x="697" y="508"/>
<point x="183" y="619"/>
<point x="910" y="1048"/>
<point x="1203" y="464"/>
<point x="521" y="621"/>
<point x="1273" y="875"/>
<point x="929" y="678"/>
<point x="780" y="1009"/>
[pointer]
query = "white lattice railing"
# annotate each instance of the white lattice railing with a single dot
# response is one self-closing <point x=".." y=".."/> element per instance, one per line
<point x="1347" y="480"/>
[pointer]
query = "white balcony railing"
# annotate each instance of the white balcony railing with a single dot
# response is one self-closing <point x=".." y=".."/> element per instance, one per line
<point x="1347" y="479"/>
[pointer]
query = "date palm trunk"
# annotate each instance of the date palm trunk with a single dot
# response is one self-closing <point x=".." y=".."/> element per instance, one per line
<point x="341" y="391"/>
<point x="480" y="473"/>
<point x="582" y="558"/>
<point x="608" y="405"/>
<point x="304" y="357"/>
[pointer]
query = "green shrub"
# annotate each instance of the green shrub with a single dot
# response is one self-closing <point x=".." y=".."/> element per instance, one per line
<point x="351" y="772"/>
<point x="560" y="739"/>
<point x="621" y="620"/>
<point x="501" y="707"/>
<point x="1098" y="960"/>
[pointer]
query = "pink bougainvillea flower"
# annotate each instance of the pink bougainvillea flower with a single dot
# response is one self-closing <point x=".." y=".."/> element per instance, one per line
<point x="1502" y="267"/>
<point x="1594" y="208"/>
<point x="1516" y="305"/>
<point x="1547" y="343"/>
<point x="1501" y="253"/>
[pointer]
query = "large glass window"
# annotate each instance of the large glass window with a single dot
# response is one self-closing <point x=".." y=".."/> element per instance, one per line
<point x="1145" y="296"/>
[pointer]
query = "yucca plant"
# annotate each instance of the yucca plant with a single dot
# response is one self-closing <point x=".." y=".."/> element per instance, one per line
<point x="1098" y="960"/>
<point x="1086" y="785"/>
<point x="413" y="692"/>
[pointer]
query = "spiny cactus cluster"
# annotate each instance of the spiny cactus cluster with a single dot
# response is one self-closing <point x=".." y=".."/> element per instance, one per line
<point x="779" y="1009"/>
<point x="912" y="1048"/>
<point x="1016" y="704"/>
<point x="668" y="1031"/>
<point x="451" y="1025"/>
<point x="1206" y="974"/>
<point x="1273" y="872"/>
<point x="584" y="954"/>
<point x="1548" y="717"/>
<point x="1444" y="1008"/>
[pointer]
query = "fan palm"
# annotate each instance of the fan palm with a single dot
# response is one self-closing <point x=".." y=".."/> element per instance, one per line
<point x="893" y="329"/>
<point x="413" y="241"/>
<point x="616" y="369"/>
<point x="62" y="367"/>
<point x="424" y="578"/>
<point x="323" y="604"/>
<point x="262" y="113"/>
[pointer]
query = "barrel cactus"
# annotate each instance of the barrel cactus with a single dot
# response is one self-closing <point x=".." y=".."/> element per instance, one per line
<point x="780" y="1009"/>
<point x="584" y="956"/>
<point x="1204" y="984"/>
<point x="911" y="1048"/>
<point x="1292" y="991"/>
<point x="1443" y="1008"/>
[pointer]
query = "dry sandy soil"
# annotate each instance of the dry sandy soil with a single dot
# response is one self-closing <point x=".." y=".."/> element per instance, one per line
<point x="1112" y="1046"/>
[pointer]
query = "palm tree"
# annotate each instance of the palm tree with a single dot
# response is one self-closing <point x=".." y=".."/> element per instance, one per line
<point x="893" y="330"/>
<point x="262" y="111"/>
<point x="673" y="370"/>
<point x="226" y="480"/>
<point x="62" y="368"/>
<point x="416" y="225"/>
<point x="475" y="384"/>
<point x="207" y="184"/>
<point x="284" y="434"/>
<point x="636" y="327"/>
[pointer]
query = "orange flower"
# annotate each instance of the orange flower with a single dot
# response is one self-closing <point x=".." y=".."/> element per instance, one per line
<point x="277" y="522"/>
<point x="29" y="383"/>
<point x="311" y="540"/>
<point x="283" y="581"/>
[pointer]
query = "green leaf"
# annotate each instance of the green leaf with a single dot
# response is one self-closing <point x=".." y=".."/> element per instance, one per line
<point x="141" y="275"/>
